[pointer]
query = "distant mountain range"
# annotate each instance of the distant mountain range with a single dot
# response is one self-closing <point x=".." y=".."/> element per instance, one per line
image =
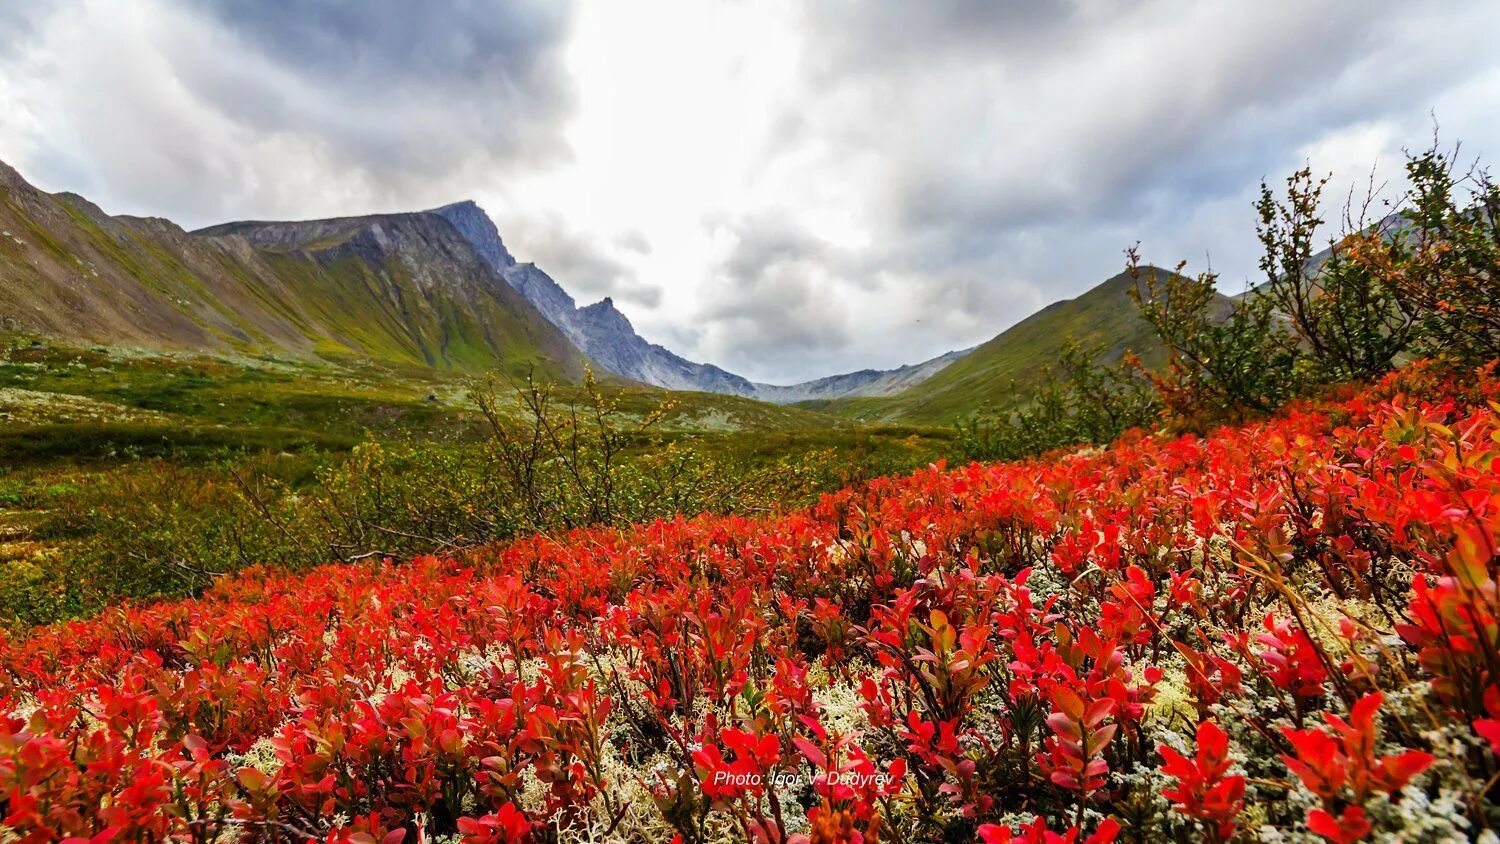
<point x="440" y="289"/>
<point x="609" y="340"/>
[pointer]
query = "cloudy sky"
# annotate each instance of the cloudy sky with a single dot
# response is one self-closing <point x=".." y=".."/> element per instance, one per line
<point x="786" y="189"/>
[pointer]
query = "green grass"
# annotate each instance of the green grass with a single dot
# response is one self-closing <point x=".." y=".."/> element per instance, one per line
<point x="343" y="294"/>
<point x="284" y="402"/>
<point x="132" y="403"/>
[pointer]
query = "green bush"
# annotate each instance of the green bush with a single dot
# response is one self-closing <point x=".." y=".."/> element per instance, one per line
<point x="1442" y="265"/>
<point x="1423" y="283"/>
<point x="1080" y="402"/>
<point x="1221" y="368"/>
<point x="1350" y="324"/>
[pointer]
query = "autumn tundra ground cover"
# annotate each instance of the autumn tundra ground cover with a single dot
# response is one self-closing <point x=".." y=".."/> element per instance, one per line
<point x="1284" y="632"/>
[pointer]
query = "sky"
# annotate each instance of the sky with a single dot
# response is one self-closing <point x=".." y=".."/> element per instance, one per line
<point x="785" y="189"/>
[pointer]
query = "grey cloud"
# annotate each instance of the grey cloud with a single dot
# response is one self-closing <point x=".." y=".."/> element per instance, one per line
<point x="789" y="306"/>
<point x="17" y="23"/>
<point x="1019" y="147"/>
<point x="413" y="85"/>
<point x="1057" y="141"/>
<point x="583" y="267"/>
<point x="271" y="109"/>
<point x="375" y="45"/>
<point x="763" y="244"/>
<point x="633" y="240"/>
<point x="775" y="304"/>
<point x="854" y="35"/>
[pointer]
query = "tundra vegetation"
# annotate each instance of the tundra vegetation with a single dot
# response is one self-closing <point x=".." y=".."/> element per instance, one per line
<point x="1259" y="604"/>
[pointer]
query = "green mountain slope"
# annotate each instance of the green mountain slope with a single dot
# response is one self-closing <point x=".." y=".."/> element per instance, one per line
<point x="999" y="372"/>
<point x="400" y="288"/>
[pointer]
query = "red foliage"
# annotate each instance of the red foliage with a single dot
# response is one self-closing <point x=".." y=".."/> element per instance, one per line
<point x="1347" y="828"/>
<point x="1326" y="762"/>
<point x="1006" y="628"/>
<point x="1205" y="790"/>
<point x="507" y="826"/>
<point x="1038" y="833"/>
<point x="1291" y="659"/>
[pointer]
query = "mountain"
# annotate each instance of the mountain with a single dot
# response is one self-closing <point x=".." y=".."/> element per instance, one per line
<point x="406" y="285"/>
<point x="603" y="333"/>
<point x="479" y="230"/>
<point x="609" y="340"/>
<point x="865" y="382"/>
<point x="399" y="288"/>
<point x="435" y="289"/>
<point x="1104" y="315"/>
<point x="440" y="289"/>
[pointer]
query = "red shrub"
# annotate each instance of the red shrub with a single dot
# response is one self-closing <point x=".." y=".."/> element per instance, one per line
<point x="1005" y="631"/>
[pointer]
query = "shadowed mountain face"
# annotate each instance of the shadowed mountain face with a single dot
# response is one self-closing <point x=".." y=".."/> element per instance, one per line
<point x="609" y="340"/>
<point x="402" y="288"/>
<point x="477" y="228"/>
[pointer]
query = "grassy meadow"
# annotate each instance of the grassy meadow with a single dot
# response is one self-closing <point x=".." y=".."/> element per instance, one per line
<point x="127" y="473"/>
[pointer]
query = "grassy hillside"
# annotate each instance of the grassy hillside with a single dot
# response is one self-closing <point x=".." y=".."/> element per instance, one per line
<point x="999" y="372"/>
<point x="400" y="289"/>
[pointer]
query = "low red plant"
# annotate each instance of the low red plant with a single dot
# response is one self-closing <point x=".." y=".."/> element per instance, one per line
<point x="923" y="656"/>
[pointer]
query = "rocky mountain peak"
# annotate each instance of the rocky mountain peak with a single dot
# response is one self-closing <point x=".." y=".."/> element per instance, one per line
<point x="604" y="315"/>
<point x="477" y="228"/>
<point x="604" y="306"/>
<point x="607" y="337"/>
<point x="11" y="179"/>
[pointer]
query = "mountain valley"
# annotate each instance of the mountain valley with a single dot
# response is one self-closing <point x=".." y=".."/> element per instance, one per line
<point x="441" y="290"/>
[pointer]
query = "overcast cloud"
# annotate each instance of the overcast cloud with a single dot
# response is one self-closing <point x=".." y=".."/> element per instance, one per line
<point x="785" y="189"/>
